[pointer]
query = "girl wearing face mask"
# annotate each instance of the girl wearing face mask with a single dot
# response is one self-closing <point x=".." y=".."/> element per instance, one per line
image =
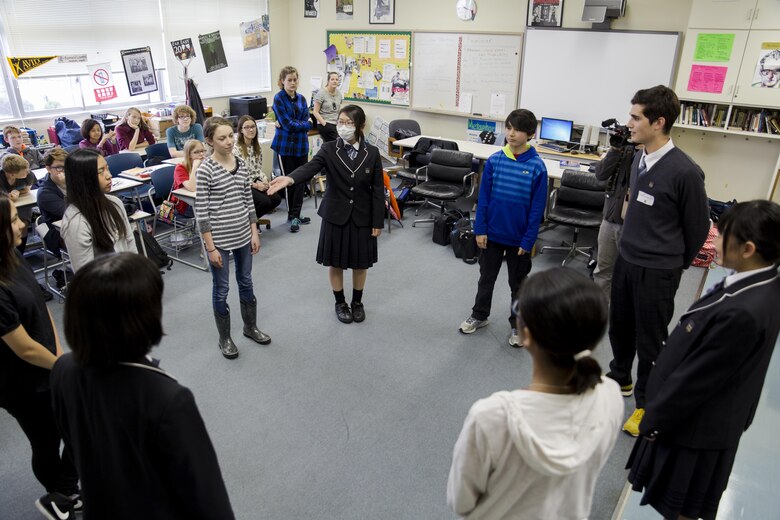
<point x="326" y="108"/>
<point x="352" y="208"/>
<point x="133" y="132"/>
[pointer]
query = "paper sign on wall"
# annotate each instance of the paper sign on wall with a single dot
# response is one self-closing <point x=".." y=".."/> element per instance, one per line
<point x="102" y="81"/>
<point x="707" y="78"/>
<point x="713" y="47"/>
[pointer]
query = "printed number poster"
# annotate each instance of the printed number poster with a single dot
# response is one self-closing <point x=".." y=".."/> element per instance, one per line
<point x="102" y="81"/>
<point x="253" y="34"/>
<point x="311" y="8"/>
<point x="183" y="49"/>
<point x="374" y="66"/>
<point x="768" y="67"/>
<point x="212" y="50"/>
<point x="344" y="9"/>
<point x="139" y="69"/>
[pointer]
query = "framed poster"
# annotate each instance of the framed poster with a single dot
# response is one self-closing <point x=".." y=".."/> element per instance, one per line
<point x="381" y="11"/>
<point x="311" y="8"/>
<point x="139" y="70"/>
<point x="545" y="13"/>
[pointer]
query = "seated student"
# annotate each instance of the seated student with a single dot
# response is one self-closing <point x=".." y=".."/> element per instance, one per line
<point x="133" y="132"/>
<point x="134" y="431"/>
<point x="184" y="174"/>
<point x="185" y="129"/>
<point x="536" y="452"/>
<point x="16" y="180"/>
<point x="247" y="148"/>
<point x="94" y="223"/>
<point x="95" y="139"/>
<point x="51" y="196"/>
<point x="13" y="136"/>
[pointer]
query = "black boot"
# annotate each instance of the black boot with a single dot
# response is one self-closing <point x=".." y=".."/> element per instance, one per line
<point x="226" y="345"/>
<point x="249" y="315"/>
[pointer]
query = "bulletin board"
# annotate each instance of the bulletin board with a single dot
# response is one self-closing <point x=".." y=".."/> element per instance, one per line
<point x="374" y="65"/>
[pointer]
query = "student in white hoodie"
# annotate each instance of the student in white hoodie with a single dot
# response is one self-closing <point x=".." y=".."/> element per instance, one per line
<point x="536" y="452"/>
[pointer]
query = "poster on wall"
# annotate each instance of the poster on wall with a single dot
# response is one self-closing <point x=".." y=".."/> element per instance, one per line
<point x="102" y="81"/>
<point x="768" y="67"/>
<point x="484" y="131"/>
<point x="212" y="50"/>
<point x="545" y="13"/>
<point x="344" y="9"/>
<point x="311" y="8"/>
<point x="253" y="34"/>
<point x="381" y="11"/>
<point x="373" y="65"/>
<point x="21" y="65"/>
<point x="183" y="49"/>
<point x="139" y="70"/>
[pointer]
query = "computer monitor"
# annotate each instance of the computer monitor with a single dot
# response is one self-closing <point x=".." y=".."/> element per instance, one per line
<point x="556" y="130"/>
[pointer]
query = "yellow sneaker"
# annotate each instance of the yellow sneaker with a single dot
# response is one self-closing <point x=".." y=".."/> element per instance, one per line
<point x="631" y="426"/>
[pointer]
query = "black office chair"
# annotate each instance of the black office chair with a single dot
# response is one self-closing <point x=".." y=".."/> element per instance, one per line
<point x="448" y="177"/>
<point x="578" y="203"/>
<point x="120" y="162"/>
<point x="156" y="153"/>
<point x="407" y="126"/>
<point x="420" y="156"/>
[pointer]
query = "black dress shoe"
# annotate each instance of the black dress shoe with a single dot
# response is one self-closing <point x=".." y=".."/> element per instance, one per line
<point x="358" y="314"/>
<point x="343" y="313"/>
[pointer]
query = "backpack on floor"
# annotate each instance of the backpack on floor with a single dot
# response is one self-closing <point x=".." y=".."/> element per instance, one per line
<point x="464" y="241"/>
<point x="154" y="252"/>
<point x="442" y="226"/>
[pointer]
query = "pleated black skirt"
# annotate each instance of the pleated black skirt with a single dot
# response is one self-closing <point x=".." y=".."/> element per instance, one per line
<point x="678" y="480"/>
<point x="347" y="246"/>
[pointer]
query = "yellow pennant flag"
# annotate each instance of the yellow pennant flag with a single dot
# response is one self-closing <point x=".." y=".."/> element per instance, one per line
<point x="21" y="65"/>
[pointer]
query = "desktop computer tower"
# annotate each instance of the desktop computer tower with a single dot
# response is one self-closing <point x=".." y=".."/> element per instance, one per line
<point x="255" y="106"/>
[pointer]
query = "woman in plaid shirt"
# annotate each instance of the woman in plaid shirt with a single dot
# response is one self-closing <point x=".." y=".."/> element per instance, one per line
<point x="291" y="140"/>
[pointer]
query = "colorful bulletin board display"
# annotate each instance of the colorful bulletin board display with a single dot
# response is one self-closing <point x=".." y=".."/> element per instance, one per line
<point x="374" y="65"/>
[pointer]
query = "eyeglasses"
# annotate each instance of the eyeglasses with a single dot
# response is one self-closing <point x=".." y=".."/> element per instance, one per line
<point x="249" y="127"/>
<point x="58" y="168"/>
<point x="348" y="124"/>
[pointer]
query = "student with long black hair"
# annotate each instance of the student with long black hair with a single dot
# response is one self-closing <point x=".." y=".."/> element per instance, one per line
<point x="94" y="222"/>
<point x="536" y="452"/>
<point x="29" y="346"/>
<point x="703" y="390"/>
<point x="135" y="431"/>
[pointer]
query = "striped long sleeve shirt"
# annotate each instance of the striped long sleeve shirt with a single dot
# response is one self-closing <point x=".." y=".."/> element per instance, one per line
<point x="224" y="203"/>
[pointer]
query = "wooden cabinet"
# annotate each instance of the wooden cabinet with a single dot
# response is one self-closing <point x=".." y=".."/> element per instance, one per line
<point x="766" y="15"/>
<point x="749" y="90"/>
<point x="687" y="64"/>
<point x="735" y="14"/>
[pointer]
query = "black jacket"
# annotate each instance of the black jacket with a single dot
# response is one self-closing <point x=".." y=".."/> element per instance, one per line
<point x="139" y="443"/>
<point x="355" y="188"/>
<point x="616" y="168"/>
<point x="703" y="391"/>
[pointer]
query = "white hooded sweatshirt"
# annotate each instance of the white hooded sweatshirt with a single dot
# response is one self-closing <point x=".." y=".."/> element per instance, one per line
<point x="534" y="456"/>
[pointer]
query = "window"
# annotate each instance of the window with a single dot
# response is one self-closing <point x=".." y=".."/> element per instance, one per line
<point x="101" y="29"/>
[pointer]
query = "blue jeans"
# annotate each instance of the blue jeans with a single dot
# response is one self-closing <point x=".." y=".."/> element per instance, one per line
<point x="221" y="278"/>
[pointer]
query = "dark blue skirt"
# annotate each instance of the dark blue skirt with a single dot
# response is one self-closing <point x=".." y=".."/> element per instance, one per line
<point x="347" y="246"/>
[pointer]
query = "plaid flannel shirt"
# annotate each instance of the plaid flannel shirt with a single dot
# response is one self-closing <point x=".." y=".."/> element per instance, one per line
<point x="291" y="138"/>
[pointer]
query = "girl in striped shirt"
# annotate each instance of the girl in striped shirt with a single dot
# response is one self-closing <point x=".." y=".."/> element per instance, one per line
<point x="228" y="223"/>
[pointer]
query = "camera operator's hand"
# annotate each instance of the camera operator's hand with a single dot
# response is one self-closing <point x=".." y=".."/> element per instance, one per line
<point x="616" y="140"/>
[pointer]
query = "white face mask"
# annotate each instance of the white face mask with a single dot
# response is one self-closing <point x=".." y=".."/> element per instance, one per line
<point x="346" y="132"/>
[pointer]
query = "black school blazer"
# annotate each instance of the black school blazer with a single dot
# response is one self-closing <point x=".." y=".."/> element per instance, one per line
<point x="355" y="188"/>
<point x="703" y="391"/>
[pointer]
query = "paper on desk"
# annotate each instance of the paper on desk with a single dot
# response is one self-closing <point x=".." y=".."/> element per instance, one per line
<point x="497" y="104"/>
<point x="137" y="172"/>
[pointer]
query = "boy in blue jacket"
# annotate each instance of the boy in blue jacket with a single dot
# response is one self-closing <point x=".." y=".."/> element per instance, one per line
<point x="512" y="197"/>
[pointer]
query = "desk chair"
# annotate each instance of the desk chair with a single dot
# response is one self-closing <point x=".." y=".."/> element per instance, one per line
<point x="63" y="261"/>
<point x="156" y="153"/>
<point x="578" y="203"/>
<point x="409" y="125"/>
<point x="448" y="177"/>
<point x="120" y="162"/>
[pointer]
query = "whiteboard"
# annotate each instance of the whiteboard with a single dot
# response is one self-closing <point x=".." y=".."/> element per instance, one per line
<point x="459" y="73"/>
<point x="588" y="76"/>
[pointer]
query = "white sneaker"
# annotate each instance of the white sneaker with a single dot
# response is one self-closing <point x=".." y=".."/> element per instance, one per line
<point x="471" y="324"/>
<point x="514" y="339"/>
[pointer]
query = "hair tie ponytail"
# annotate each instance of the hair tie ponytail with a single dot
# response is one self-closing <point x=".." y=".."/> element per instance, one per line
<point x="579" y="355"/>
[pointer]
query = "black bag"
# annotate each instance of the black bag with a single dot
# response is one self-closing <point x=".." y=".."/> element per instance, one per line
<point x="154" y="252"/>
<point x="442" y="226"/>
<point x="464" y="241"/>
<point x="718" y="208"/>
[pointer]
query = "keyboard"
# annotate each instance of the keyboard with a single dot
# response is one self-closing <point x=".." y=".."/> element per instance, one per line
<point x="551" y="146"/>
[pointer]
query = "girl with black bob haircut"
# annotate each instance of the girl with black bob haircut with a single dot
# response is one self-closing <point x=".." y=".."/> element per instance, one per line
<point x="703" y="391"/>
<point x="94" y="222"/>
<point x="536" y="452"/>
<point x="133" y="429"/>
<point x="29" y="346"/>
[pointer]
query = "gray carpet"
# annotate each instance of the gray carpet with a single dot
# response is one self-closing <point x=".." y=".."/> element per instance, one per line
<point x="337" y="421"/>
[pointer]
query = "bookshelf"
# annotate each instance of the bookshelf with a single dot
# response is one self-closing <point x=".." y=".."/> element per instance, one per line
<point x="740" y="120"/>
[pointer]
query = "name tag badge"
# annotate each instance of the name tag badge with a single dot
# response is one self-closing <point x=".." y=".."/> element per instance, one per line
<point x="645" y="198"/>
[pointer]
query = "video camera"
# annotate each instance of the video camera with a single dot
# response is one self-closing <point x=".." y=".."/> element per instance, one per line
<point x="619" y="135"/>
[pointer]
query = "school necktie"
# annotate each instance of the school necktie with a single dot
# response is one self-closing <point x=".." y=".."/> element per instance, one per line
<point x="352" y="152"/>
<point x="642" y="166"/>
<point x="715" y="288"/>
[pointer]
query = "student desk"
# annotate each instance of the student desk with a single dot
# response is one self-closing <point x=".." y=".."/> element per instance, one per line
<point x="189" y="197"/>
<point x="28" y="199"/>
<point x="40" y="173"/>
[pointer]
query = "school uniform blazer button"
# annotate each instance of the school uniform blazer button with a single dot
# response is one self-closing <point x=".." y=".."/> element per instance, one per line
<point x="351" y="188"/>
<point x="353" y="175"/>
<point x="351" y="201"/>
